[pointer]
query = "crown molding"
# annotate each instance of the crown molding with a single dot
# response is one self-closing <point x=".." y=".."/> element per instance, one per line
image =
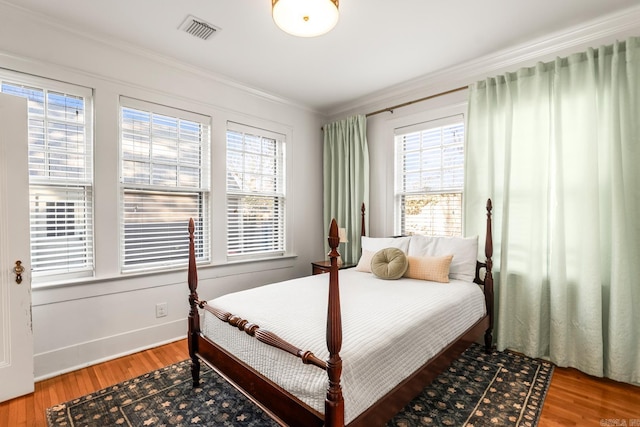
<point x="150" y="55"/>
<point x="605" y="29"/>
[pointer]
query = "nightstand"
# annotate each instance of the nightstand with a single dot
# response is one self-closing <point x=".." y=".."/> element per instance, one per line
<point x="319" y="267"/>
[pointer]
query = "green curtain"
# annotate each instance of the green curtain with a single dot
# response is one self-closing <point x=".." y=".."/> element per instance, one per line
<point x="557" y="148"/>
<point x="346" y="180"/>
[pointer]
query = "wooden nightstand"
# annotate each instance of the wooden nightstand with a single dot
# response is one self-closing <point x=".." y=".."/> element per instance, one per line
<point x="319" y="267"/>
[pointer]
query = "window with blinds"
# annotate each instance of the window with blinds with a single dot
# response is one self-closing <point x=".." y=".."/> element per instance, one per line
<point x="430" y="178"/>
<point x="255" y="192"/>
<point x="60" y="175"/>
<point x="164" y="182"/>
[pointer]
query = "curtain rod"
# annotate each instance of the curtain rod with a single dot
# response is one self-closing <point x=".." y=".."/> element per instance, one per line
<point x="404" y="104"/>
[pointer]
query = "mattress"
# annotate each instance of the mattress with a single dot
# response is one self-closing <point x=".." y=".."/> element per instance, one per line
<point x="390" y="329"/>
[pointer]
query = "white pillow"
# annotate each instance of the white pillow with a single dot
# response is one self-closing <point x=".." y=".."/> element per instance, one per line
<point x="374" y="244"/>
<point x="364" y="264"/>
<point x="464" y="250"/>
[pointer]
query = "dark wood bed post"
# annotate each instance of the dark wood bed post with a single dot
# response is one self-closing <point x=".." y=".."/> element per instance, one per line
<point x="488" y="279"/>
<point x="363" y="230"/>
<point x="334" y="403"/>
<point x="194" y="315"/>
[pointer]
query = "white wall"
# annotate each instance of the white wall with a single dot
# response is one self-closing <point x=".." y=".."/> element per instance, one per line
<point x="88" y="321"/>
<point x="380" y="127"/>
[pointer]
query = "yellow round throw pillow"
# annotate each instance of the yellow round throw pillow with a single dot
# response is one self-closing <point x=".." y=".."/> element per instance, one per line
<point x="389" y="263"/>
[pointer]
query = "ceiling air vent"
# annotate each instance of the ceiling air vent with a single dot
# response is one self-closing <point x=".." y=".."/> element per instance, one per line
<point x="198" y="28"/>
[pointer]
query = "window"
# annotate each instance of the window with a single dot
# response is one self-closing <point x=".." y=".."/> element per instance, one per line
<point x="60" y="175"/>
<point x="164" y="182"/>
<point x="255" y="192"/>
<point x="430" y="178"/>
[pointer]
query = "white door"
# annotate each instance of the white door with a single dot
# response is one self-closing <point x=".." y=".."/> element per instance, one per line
<point x="16" y="336"/>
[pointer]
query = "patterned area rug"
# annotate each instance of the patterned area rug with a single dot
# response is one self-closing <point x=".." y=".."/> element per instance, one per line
<point x="479" y="389"/>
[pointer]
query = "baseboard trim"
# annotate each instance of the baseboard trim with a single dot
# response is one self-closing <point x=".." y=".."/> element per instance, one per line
<point x="68" y="359"/>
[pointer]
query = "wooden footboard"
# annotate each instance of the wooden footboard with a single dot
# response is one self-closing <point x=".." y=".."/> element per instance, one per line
<point x="288" y="409"/>
<point x="274" y="399"/>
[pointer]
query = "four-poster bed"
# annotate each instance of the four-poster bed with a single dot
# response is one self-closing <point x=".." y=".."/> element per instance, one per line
<point x="372" y="345"/>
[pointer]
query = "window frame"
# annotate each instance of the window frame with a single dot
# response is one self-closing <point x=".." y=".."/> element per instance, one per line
<point x="282" y="178"/>
<point x="85" y="186"/>
<point x="201" y="193"/>
<point x="400" y="193"/>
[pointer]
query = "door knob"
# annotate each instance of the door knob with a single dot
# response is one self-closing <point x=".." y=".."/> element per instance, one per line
<point x="18" y="269"/>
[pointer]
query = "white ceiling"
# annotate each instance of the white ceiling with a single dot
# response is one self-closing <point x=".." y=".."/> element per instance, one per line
<point x="376" y="44"/>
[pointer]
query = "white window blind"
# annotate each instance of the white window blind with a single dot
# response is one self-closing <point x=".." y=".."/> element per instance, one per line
<point x="430" y="177"/>
<point x="255" y="192"/>
<point x="60" y="175"/>
<point x="164" y="182"/>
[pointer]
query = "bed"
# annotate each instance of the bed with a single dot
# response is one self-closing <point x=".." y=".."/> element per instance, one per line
<point x="285" y="348"/>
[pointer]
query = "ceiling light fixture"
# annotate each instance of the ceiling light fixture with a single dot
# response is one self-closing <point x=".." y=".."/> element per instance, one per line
<point x="305" y="18"/>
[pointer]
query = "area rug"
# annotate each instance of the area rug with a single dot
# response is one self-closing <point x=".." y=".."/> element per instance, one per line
<point x="478" y="389"/>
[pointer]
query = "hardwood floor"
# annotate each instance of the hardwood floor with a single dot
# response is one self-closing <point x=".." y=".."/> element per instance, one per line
<point x="577" y="399"/>
<point x="574" y="399"/>
<point x="29" y="410"/>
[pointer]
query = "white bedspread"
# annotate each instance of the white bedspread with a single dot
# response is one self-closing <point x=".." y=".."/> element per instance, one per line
<point x="390" y="329"/>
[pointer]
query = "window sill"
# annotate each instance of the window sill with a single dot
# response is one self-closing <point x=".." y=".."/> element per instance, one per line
<point x="91" y="287"/>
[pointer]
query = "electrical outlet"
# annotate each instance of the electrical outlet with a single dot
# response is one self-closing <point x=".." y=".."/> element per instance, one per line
<point x="161" y="309"/>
